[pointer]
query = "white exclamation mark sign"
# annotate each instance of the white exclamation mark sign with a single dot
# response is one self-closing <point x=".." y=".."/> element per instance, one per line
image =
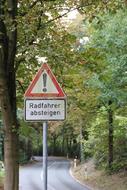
<point x="44" y="82"/>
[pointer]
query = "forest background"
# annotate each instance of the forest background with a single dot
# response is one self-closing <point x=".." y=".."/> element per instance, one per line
<point x="88" y="56"/>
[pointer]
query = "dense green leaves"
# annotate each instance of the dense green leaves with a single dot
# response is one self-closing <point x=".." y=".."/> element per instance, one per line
<point x="107" y="61"/>
<point x="92" y="74"/>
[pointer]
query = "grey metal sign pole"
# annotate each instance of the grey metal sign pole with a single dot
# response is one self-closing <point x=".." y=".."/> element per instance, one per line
<point x="45" y="126"/>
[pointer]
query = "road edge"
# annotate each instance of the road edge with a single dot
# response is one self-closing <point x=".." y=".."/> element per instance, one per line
<point x="78" y="181"/>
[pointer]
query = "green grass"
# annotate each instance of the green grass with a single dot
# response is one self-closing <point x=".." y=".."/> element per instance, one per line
<point x="1" y="177"/>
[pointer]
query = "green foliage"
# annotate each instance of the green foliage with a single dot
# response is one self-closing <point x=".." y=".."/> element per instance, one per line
<point x="90" y="77"/>
<point x="106" y="55"/>
<point x="110" y="43"/>
<point x="30" y="140"/>
<point x="98" y="138"/>
<point x="120" y="143"/>
<point x="2" y="174"/>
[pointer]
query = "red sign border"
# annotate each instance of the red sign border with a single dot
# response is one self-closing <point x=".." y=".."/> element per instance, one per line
<point x="60" y="93"/>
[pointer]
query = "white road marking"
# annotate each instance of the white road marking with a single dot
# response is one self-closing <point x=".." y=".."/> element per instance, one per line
<point x="42" y="175"/>
<point x="52" y="188"/>
<point x="48" y="168"/>
<point x="51" y="164"/>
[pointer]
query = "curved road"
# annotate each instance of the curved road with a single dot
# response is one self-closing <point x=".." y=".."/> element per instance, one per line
<point x="59" y="178"/>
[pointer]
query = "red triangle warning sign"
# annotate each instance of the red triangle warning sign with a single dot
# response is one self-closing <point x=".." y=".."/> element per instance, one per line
<point x="44" y="85"/>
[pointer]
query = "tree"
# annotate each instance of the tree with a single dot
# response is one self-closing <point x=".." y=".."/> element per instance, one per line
<point x="107" y="51"/>
<point x="8" y="42"/>
<point x="25" y="28"/>
<point x="21" y="31"/>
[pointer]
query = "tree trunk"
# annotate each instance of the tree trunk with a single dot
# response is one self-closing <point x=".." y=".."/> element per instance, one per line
<point x="29" y="149"/>
<point x="63" y="145"/>
<point x="67" y="147"/>
<point x="10" y="144"/>
<point x="54" y="145"/>
<point x="8" y="40"/>
<point x="81" y="146"/>
<point x="111" y="135"/>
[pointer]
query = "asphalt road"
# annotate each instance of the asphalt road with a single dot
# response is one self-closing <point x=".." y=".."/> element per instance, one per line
<point x="59" y="177"/>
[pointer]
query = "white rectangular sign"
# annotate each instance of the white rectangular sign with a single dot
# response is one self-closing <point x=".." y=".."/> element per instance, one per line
<point x="45" y="109"/>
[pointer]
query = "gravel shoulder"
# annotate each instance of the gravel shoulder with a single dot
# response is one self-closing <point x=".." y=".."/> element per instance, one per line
<point x="99" y="180"/>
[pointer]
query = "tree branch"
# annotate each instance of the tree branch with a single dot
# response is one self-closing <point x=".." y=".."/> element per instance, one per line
<point x="20" y="84"/>
<point x="30" y="7"/>
<point x="39" y="26"/>
<point x="62" y="15"/>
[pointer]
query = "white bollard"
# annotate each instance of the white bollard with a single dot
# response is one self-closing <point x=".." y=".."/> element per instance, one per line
<point x="75" y="163"/>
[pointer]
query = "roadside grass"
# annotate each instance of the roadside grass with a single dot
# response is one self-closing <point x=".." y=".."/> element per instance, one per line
<point x="99" y="180"/>
<point x="1" y="179"/>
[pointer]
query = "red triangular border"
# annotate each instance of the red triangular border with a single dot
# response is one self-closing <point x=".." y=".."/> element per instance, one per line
<point x="29" y="93"/>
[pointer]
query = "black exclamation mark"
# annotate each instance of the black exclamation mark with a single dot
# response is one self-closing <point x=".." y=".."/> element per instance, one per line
<point x="44" y="82"/>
